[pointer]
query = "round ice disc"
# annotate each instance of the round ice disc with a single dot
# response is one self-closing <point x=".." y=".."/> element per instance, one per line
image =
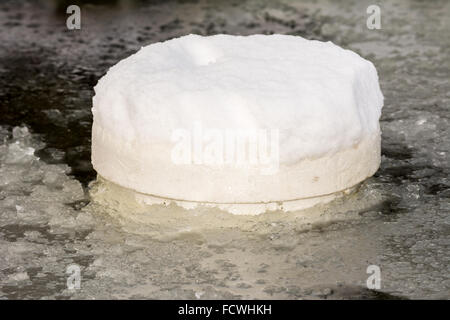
<point x="238" y="120"/>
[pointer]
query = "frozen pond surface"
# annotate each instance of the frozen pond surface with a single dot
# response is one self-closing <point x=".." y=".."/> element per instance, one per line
<point x="51" y="217"/>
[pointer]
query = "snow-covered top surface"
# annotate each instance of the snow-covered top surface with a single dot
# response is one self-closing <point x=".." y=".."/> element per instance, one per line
<point x="321" y="97"/>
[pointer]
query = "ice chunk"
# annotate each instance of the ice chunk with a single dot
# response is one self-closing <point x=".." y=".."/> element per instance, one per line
<point x="18" y="154"/>
<point x="314" y="105"/>
<point x="307" y="88"/>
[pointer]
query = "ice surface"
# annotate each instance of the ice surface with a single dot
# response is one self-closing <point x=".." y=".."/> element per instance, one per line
<point x="320" y="97"/>
<point x="167" y="252"/>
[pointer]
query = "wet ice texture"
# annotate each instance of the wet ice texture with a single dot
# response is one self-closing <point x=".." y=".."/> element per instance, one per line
<point x="399" y="219"/>
<point x="128" y="250"/>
